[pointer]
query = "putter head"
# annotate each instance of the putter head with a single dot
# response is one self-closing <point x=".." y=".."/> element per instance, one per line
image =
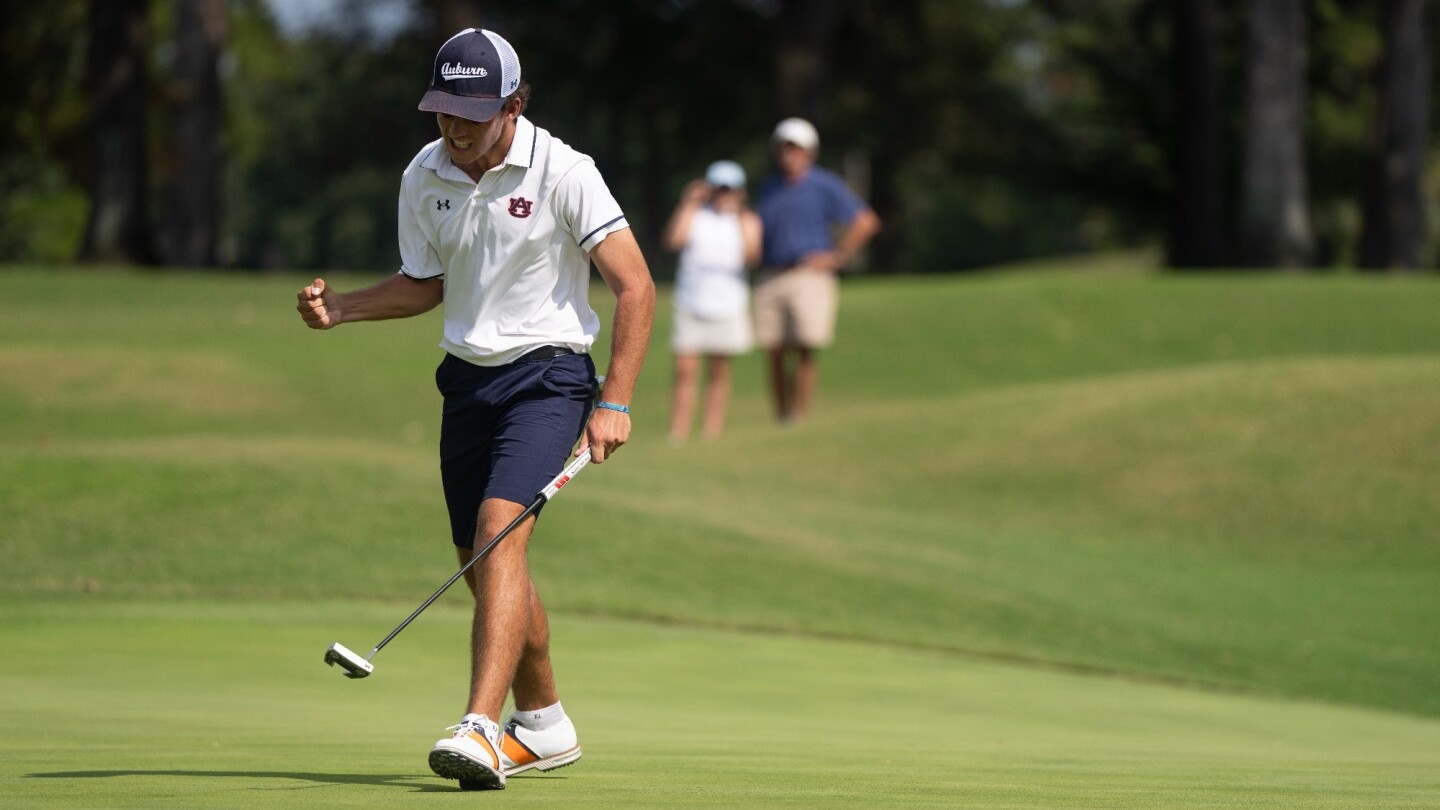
<point x="353" y="664"/>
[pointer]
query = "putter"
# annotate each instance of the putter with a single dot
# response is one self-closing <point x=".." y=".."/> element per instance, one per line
<point x="357" y="667"/>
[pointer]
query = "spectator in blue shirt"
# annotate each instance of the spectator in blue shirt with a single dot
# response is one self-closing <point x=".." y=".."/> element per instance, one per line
<point x="813" y="225"/>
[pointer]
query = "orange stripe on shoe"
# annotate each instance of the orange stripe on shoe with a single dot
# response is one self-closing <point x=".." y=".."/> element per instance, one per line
<point x="490" y="749"/>
<point x="516" y="751"/>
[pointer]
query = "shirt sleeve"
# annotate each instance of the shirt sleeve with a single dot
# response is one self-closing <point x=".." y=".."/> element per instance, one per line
<point x="418" y="258"/>
<point x="585" y="206"/>
<point x="841" y="203"/>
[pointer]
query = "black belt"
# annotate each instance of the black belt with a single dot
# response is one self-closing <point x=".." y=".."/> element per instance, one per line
<point x="543" y="353"/>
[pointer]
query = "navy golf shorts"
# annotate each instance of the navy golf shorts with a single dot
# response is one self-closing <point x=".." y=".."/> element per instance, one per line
<point x="507" y="431"/>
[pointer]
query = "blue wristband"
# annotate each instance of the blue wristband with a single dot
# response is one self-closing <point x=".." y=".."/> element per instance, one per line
<point x="612" y="406"/>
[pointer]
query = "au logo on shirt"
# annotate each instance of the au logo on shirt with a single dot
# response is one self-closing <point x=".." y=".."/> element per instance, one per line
<point x="521" y="207"/>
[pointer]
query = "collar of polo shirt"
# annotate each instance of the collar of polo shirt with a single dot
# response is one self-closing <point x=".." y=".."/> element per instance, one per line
<point x="522" y="154"/>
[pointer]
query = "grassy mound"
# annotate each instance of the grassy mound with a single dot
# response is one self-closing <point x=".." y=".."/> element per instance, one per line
<point x="1221" y="480"/>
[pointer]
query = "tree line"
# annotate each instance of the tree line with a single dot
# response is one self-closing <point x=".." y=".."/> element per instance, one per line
<point x="1269" y="133"/>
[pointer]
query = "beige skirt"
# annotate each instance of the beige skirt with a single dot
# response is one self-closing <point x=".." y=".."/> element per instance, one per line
<point x="694" y="335"/>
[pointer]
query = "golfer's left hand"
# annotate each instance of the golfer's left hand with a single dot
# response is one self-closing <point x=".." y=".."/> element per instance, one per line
<point x="604" y="434"/>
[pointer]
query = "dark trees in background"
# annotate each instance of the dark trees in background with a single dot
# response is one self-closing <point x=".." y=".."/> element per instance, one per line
<point x="1274" y="227"/>
<point x="1394" y="233"/>
<point x="190" y="227"/>
<point x="803" y="31"/>
<point x="42" y="207"/>
<point x="865" y="40"/>
<point x="445" y="18"/>
<point x="117" y="170"/>
<point x="986" y="131"/>
<point x="1197" y="235"/>
<point x="914" y="109"/>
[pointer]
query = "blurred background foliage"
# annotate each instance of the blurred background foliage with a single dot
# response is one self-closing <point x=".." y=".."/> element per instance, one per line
<point x="260" y="134"/>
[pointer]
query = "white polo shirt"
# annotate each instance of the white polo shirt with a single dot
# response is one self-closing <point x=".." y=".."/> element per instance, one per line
<point x="513" y="249"/>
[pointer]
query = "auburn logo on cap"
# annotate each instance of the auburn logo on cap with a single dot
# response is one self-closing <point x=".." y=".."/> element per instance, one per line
<point x="459" y="71"/>
<point x="521" y="207"/>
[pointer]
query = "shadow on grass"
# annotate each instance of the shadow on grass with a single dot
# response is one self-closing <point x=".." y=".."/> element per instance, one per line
<point x="411" y="781"/>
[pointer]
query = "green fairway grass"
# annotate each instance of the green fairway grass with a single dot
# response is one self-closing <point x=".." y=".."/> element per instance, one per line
<point x="136" y="704"/>
<point x="1211" y="496"/>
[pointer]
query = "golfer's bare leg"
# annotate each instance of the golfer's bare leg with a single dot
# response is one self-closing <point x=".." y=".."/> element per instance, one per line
<point x="807" y="373"/>
<point x="503" y="594"/>
<point x="534" y="684"/>
<point x="534" y="680"/>
<point x="717" y="395"/>
<point x="682" y="403"/>
<point x="465" y="554"/>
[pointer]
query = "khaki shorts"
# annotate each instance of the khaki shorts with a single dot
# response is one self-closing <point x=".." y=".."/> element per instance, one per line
<point x="796" y="307"/>
<point x="690" y="334"/>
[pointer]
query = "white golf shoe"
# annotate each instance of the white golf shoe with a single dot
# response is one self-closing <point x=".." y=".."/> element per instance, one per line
<point x="523" y="748"/>
<point x="472" y="755"/>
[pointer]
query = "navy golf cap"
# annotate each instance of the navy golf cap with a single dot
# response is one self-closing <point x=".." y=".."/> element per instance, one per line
<point x="475" y="72"/>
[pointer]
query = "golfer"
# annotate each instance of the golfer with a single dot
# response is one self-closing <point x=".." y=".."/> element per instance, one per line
<point x="718" y="237"/>
<point x="499" y="222"/>
<point x="797" y="291"/>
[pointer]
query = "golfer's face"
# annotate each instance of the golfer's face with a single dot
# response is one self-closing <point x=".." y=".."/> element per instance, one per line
<point x="468" y="141"/>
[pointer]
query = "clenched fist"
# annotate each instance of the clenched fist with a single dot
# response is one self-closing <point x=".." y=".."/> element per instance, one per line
<point x="318" y="305"/>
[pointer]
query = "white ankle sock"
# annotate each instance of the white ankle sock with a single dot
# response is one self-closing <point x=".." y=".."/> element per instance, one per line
<point x="540" y="719"/>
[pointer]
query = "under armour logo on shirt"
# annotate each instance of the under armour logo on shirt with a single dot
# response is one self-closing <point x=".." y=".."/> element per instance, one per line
<point x="442" y="205"/>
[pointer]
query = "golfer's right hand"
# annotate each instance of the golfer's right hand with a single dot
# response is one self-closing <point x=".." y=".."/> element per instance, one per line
<point x="318" y="305"/>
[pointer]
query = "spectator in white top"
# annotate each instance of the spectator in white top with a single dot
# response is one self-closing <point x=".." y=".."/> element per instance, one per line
<point x="499" y="223"/>
<point x="718" y="237"/>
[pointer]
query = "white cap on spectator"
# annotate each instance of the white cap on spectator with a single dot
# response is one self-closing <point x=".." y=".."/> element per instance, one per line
<point x="797" y="131"/>
<point x="725" y="173"/>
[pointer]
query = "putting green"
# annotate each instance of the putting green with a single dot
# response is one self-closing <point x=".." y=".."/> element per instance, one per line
<point x="109" y="703"/>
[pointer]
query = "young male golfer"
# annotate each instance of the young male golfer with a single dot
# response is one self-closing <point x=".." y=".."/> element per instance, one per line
<point x="499" y="222"/>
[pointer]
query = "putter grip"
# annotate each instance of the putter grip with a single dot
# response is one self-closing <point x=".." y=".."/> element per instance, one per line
<point x="565" y="475"/>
